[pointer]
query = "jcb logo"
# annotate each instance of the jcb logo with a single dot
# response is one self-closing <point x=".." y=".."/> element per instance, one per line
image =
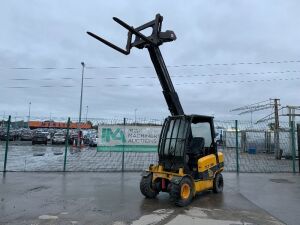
<point x="109" y="135"/>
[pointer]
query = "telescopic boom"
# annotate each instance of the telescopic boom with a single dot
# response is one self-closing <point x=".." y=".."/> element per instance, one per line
<point x="152" y="43"/>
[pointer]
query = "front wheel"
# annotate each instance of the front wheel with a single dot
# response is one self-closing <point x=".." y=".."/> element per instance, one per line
<point x="218" y="183"/>
<point x="146" y="187"/>
<point x="183" y="193"/>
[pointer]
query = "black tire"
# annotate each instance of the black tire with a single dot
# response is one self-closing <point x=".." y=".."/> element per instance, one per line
<point x="176" y="192"/>
<point x="218" y="183"/>
<point x="146" y="187"/>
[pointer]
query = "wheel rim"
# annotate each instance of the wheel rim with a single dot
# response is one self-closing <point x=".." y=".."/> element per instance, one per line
<point x="185" y="191"/>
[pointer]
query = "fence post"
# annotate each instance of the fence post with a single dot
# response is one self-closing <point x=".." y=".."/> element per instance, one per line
<point x="298" y="139"/>
<point x="66" y="144"/>
<point x="292" y="125"/>
<point x="237" y="146"/>
<point x="7" y="140"/>
<point x="123" y="153"/>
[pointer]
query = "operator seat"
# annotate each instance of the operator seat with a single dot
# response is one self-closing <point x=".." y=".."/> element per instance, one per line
<point x="196" y="150"/>
<point x="197" y="146"/>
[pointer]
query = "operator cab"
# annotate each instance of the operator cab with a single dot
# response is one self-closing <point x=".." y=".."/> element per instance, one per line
<point x="184" y="139"/>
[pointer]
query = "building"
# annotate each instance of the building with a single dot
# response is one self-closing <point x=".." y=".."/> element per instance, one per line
<point x="52" y="124"/>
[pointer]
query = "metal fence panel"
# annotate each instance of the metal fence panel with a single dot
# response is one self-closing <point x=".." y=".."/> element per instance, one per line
<point x="255" y="150"/>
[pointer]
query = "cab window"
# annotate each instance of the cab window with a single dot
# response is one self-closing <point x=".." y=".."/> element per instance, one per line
<point x="202" y="130"/>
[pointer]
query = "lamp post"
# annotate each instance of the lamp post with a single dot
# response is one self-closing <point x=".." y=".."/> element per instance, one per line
<point x="135" y="116"/>
<point x="86" y="113"/>
<point x="29" y="113"/>
<point x="80" y="107"/>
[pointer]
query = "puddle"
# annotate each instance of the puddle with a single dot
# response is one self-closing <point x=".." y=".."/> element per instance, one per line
<point x="48" y="217"/>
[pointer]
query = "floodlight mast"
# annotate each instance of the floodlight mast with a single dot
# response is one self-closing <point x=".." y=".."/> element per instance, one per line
<point x="152" y="43"/>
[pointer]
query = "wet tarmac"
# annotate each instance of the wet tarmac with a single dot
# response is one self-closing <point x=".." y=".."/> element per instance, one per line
<point x="115" y="199"/>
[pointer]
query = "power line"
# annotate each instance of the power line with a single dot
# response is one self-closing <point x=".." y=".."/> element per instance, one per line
<point x="177" y="84"/>
<point x="173" y="76"/>
<point x="17" y="87"/>
<point x="63" y="78"/>
<point x="146" y="66"/>
<point x="241" y="63"/>
<point x="208" y="75"/>
<point x="209" y="82"/>
<point x="249" y="106"/>
<point x="245" y="81"/>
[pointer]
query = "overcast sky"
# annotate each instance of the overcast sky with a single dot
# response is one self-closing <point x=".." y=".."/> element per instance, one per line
<point x="52" y="34"/>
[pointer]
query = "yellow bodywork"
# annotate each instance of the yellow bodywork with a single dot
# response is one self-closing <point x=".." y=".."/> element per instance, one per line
<point x="204" y="185"/>
<point x="207" y="166"/>
<point x="158" y="172"/>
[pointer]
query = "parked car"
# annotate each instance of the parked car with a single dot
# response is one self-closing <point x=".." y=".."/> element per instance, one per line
<point x="26" y="136"/>
<point x="39" y="138"/>
<point x="93" y="141"/>
<point x="58" y="138"/>
<point x="10" y="138"/>
<point x="2" y="135"/>
<point x="47" y="135"/>
<point x="15" y="134"/>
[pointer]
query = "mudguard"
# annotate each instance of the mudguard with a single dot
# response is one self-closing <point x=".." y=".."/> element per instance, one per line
<point x="145" y="173"/>
<point x="176" y="179"/>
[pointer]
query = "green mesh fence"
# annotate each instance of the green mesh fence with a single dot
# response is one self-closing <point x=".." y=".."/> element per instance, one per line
<point x="132" y="146"/>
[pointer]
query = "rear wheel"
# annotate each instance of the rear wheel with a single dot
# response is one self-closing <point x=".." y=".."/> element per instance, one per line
<point x="218" y="183"/>
<point x="146" y="187"/>
<point x="183" y="193"/>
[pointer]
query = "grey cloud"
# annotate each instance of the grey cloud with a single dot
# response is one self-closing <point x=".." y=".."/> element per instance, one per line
<point x="52" y="34"/>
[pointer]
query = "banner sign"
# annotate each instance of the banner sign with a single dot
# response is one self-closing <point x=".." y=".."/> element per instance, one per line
<point x="128" y="138"/>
